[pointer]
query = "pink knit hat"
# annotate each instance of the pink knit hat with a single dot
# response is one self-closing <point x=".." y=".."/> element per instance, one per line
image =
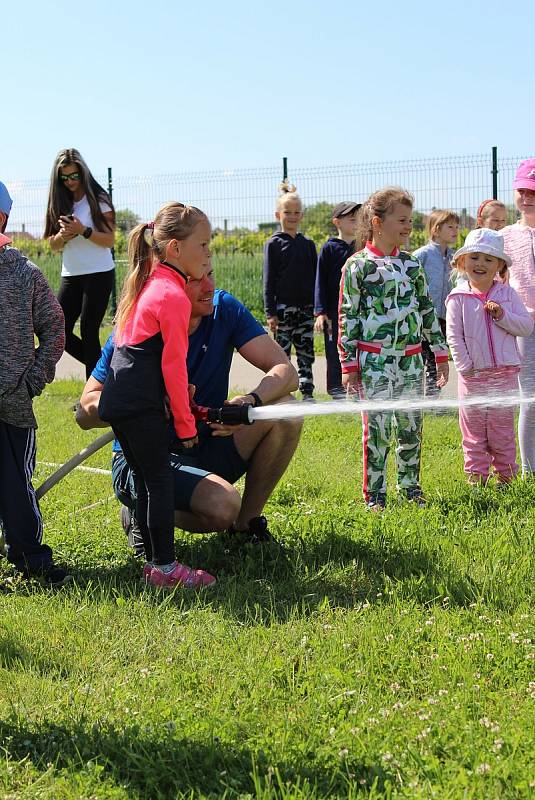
<point x="525" y="175"/>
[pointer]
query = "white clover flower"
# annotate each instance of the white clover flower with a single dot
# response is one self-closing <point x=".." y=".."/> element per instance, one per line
<point x="423" y="734"/>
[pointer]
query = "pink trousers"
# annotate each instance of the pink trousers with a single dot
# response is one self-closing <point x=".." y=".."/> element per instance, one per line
<point x="488" y="432"/>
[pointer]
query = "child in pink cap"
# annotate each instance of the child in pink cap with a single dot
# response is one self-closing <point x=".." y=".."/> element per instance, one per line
<point x="483" y="318"/>
<point x="519" y="242"/>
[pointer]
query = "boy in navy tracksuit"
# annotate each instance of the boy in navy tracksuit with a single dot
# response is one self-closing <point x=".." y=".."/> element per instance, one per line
<point x="333" y="255"/>
<point x="289" y="276"/>
<point x="27" y="308"/>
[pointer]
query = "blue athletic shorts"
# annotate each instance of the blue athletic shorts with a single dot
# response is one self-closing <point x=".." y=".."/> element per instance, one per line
<point x="213" y="454"/>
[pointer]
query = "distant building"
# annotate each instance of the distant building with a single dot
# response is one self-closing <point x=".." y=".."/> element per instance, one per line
<point x="22" y="234"/>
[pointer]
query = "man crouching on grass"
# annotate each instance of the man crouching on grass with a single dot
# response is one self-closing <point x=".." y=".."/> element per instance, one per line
<point x="205" y="498"/>
<point x="27" y="309"/>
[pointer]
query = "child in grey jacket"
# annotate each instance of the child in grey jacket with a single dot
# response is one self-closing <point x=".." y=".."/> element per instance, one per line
<point x="442" y="227"/>
<point x="27" y="308"/>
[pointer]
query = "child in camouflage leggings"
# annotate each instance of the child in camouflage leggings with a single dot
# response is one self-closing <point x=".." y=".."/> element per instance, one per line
<point x="385" y="310"/>
<point x="289" y="278"/>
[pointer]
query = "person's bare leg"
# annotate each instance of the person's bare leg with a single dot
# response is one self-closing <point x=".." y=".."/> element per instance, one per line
<point x="270" y="446"/>
<point x="215" y="504"/>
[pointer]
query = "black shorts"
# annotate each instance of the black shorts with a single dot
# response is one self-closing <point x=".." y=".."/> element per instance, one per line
<point x="213" y="454"/>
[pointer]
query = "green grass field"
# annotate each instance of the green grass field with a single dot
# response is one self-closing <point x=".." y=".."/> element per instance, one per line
<point x="238" y="273"/>
<point x="390" y="656"/>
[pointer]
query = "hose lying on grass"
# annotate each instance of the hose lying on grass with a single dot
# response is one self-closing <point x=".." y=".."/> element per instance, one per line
<point x="73" y="462"/>
<point x="229" y="415"/>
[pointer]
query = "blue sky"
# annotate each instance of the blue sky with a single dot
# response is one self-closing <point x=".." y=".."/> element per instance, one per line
<point x="158" y="87"/>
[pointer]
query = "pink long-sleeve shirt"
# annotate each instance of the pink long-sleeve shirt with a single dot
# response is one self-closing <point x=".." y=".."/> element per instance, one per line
<point x="476" y="340"/>
<point x="519" y="241"/>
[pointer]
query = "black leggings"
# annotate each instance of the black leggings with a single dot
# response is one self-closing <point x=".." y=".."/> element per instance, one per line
<point x="145" y="444"/>
<point x="85" y="297"/>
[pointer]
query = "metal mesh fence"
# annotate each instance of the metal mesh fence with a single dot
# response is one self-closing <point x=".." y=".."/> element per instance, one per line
<point x="241" y="200"/>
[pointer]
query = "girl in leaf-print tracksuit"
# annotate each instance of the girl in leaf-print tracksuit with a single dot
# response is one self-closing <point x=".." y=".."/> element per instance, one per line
<point x="384" y="311"/>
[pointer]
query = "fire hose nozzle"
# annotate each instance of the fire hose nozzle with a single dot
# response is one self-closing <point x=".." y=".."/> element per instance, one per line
<point x="226" y="415"/>
<point x="232" y="414"/>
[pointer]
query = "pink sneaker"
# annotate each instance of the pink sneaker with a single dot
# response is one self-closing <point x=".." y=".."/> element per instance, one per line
<point x="179" y="576"/>
<point x="147" y="569"/>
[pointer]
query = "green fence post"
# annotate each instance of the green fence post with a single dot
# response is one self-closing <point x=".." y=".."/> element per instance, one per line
<point x="495" y="173"/>
<point x="114" y="285"/>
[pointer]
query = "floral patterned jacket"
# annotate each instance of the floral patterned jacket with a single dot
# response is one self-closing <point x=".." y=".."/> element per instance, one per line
<point x="384" y="301"/>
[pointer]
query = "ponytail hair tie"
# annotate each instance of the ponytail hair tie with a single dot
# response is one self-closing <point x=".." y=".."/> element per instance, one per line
<point x="148" y="233"/>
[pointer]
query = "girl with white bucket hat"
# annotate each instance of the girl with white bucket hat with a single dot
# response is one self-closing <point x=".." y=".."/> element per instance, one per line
<point x="483" y="318"/>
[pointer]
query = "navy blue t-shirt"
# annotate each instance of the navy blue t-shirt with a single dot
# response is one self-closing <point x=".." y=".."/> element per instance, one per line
<point x="211" y="347"/>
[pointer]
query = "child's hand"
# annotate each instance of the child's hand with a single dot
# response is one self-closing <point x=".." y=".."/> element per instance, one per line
<point x="495" y="310"/>
<point x="273" y="323"/>
<point x="350" y="382"/>
<point x="189" y="443"/>
<point x="443" y="373"/>
<point x="323" y="320"/>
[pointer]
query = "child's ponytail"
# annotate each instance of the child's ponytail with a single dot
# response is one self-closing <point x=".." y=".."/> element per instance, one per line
<point x="140" y="261"/>
<point x="287" y="191"/>
<point x="286" y="188"/>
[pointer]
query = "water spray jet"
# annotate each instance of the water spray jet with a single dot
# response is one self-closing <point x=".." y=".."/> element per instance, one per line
<point x="246" y="414"/>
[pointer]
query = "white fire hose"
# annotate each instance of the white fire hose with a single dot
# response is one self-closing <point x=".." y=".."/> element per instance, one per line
<point x="73" y="462"/>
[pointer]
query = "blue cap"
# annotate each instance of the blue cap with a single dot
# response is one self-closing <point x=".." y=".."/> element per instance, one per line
<point x="5" y="200"/>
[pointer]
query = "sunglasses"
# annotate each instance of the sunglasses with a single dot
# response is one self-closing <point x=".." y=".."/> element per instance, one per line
<point x="72" y="176"/>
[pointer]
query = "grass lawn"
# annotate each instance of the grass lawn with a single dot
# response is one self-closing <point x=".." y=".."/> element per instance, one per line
<point x="390" y="656"/>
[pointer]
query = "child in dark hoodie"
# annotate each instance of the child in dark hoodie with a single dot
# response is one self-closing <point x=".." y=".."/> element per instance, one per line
<point x="333" y="255"/>
<point x="27" y="309"/>
<point x="289" y="276"/>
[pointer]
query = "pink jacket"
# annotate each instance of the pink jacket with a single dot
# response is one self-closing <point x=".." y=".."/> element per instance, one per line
<point x="519" y="243"/>
<point x="476" y="340"/>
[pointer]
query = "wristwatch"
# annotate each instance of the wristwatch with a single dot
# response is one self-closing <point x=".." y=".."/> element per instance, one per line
<point x="256" y="398"/>
<point x="87" y="233"/>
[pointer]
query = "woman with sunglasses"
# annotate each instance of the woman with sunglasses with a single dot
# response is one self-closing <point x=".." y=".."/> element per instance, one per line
<point x="80" y="223"/>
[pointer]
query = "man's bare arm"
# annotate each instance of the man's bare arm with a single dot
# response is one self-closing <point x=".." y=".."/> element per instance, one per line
<point x="280" y="376"/>
<point x="87" y="414"/>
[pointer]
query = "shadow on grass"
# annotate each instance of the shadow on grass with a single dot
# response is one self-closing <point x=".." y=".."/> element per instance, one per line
<point x="154" y="762"/>
<point x="259" y="585"/>
<point x="16" y="657"/>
